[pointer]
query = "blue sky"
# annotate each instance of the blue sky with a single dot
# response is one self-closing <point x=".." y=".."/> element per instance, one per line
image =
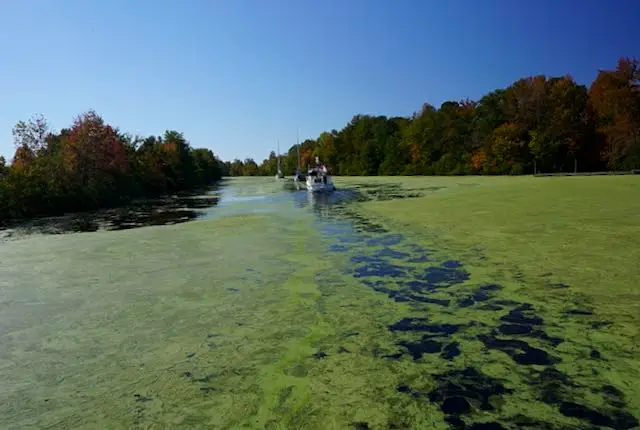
<point x="237" y="75"/>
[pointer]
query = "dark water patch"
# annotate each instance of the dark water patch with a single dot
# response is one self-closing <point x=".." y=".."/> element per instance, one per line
<point x="490" y="307"/>
<point x="490" y="287"/>
<point x="361" y="425"/>
<point x="528" y="330"/>
<point x="540" y="334"/>
<point x="319" y="355"/>
<point x="466" y="302"/>
<point x="417" y="349"/>
<point x="350" y="334"/>
<point x="578" y="312"/>
<point x="455" y="405"/>
<point x="557" y="286"/>
<point x="615" y="418"/>
<point x="404" y="295"/>
<point x="396" y="295"/>
<point x="519" y="351"/>
<point x="142" y="399"/>
<point x="402" y="388"/>
<point x="141" y="213"/>
<point x="395" y="356"/>
<point x="426" y="344"/>
<point x="613" y="396"/>
<point x="451" y="264"/>
<point x="451" y="351"/>
<point x="458" y="392"/>
<point x="480" y="296"/>
<point x="552" y="385"/>
<point x="514" y="329"/>
<point x="612" y="391"/>
<point x="522" y="315"/>
<point x="595" y="355"/>
<point x="380" y="269"/>
<point x="131" y="220"/>
<point x="601" y="324"/>
<point x="442" y="277"/>
<point x="455" y="422"/>
<point x="418" y="286"/>
<point x="391" y="253"/>
<point x="422" y="299"/>
<point x="421" y="325"/>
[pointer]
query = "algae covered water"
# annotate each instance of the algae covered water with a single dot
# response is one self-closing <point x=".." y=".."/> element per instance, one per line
<point x="279" y="309"/>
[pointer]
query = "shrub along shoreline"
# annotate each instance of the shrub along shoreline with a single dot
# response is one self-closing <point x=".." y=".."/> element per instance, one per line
<point x="93" y="165"/>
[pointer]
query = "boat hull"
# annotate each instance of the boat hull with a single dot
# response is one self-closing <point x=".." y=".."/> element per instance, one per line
<point x="316" y="187"/>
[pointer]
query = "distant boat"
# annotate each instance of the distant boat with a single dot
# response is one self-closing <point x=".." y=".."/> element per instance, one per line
<point x="279" y="174"/>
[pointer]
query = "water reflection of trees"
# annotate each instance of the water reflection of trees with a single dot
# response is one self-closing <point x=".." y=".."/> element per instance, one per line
<point x="141" y="213"/>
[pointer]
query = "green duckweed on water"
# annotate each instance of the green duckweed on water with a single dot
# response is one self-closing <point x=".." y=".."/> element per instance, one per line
<point x="474" y="303"/>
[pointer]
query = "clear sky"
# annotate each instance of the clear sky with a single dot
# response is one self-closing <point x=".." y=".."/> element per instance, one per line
<point x="237" y="75"/>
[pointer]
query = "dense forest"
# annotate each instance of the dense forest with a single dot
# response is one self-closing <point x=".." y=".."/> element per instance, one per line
<point x="538" y="124"/>
<point x="92" y="165"/>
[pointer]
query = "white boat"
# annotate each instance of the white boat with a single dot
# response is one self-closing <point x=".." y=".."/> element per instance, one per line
<point x="279" y="174"/>
<point x="318" y="179"/>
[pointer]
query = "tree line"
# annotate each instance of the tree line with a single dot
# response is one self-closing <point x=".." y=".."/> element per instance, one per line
<point x="92" y="165"/>
<point x="537" y="124"/>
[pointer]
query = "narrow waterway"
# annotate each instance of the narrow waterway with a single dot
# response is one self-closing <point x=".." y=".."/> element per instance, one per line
<point x="280" y="309"/>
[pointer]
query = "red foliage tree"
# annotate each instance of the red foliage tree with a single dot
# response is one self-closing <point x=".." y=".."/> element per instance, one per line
<point x="93" y="151"/>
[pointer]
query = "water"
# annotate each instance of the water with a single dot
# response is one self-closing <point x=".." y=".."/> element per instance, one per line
<point x="279" y="309"/>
